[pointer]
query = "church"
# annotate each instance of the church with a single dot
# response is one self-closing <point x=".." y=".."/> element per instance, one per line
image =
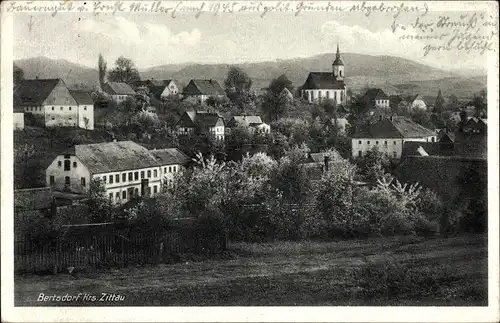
<point x="327" y="85"/>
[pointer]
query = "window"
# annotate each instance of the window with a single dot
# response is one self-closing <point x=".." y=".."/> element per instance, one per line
<point x="340" y="72"/>
<point x="385" y="143"/>
<point x="104" y="179"/>
<point x="52" y="180"/>
<point x="85" y="108"/>
<point x="155" y="173"/>
<point x="111" y="196"/>
<point x="175" y="169"/>
<point x="59" y="163"/>
<point x="69" y="108"/>
<point x="53" y="118"/>
<point x="394" y="154"/>
<point x="83" y="181"/>
<point x="124" y="177"/>
<point x="117" y="178"/>
<point x="368" y="142"/>
<point x="394" y="142"/>
<point x="67" y="180"/>
<point x="335" y="95"/>
<point x="110" y="179"/>
<point x="70" y="118"/>
<point x="376" y="142"/>
<point x="117" y="196"/>
<point x="142" y="174"/>
<point x="359" y="142"/>
<point x="130" y="176"/>
<point x="155" y="189"/>
<point x="165" y="169"/>
<point x="124" y="195"/>
<point x="61" y="108"/>
<point x="433" y="139"/>
<point x="149" y="174"/>
<point x="52" y="108"/>
<point x="67" y="164"/>
<point x="74" y="164"/>
<point x="360" y="153"/>
<point x="136" y="175"/>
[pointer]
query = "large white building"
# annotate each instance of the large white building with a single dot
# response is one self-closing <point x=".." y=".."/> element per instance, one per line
<point x="389" y="135"/>
<point x="126" y="169"/>
<point x="49" y="103"/>
<point x="327" y="85"/>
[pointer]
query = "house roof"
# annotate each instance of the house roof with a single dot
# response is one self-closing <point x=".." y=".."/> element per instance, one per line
<point x="33" y="198"/>
<point x="170" y="156"/>
<point x="207" y="118"/>
<point x="245" y="120"/>
<point x="82" y="97"/>
<point x="322" y="80"/>
<point x="410" y="129"/>
<point x="114" y="156"/>
<point x="34" y="92"/>
<point x="375" y="94"/>
<point x="118" y="88"/>
<point x="203" y="87"/>
<point x="398" y="127"/>
<point x="156" y="91"/>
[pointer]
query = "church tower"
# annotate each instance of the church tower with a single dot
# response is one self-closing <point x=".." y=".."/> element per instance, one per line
<point x="338" y="67"/>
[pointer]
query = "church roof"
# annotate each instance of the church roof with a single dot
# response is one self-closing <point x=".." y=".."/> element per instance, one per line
<point x="323" y="80"/>
<point x="338" y="61"/>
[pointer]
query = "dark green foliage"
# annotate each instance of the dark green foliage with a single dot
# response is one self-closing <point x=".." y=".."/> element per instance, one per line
<point x="124" y="71"/>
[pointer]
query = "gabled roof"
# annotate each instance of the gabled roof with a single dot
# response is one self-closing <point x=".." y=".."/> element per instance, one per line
<point x="207" y="118"/>
<point x="156" y="91"/>
<point x="410" y="129"/>
<point x="82" y="97"/>
<point x="118" y="88"/>
<point x="170" y="156"/>
<point x="34" y="92"/>
<point x="322" y="80"/>
<point x="203" y="87"/>
<point x="245" y="120"/>
<point x="114" y="156"/>
<point x="398" y="127"/>
<point x="375" y="94"/>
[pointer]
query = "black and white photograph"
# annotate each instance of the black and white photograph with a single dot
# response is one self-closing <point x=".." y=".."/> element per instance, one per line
<point x="234" y="154"/>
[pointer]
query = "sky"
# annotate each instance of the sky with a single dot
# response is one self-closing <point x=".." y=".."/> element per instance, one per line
<point x="157" y="39"/>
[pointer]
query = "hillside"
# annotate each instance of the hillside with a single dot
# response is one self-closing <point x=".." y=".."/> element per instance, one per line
<point x="463" y="88"/>
<point x="361" y="71"/>
<point x="71" y="73"/>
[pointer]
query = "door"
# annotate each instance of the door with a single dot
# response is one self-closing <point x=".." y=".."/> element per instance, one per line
<point x="144" y="186"/>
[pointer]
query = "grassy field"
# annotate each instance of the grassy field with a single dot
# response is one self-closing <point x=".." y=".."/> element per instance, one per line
<point x="392" y="271"/>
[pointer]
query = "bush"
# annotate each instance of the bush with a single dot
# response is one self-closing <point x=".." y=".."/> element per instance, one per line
<point x="35" y="226"/>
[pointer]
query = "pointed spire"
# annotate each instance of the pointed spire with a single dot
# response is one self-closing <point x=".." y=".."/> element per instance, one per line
<point x="338" y="50"/>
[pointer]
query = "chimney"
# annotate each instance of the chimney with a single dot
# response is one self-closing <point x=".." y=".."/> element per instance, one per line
<point x="327" y="163"/>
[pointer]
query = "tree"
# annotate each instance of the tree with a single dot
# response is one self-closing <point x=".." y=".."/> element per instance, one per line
<point x="237" y="86"/>
<point x="452" y="103"/>
<point x="279" y="84"/>
<point x="18" y="75"/>
<point x="100" y="207"/>
<point x="124" y="71"/>
<point x="373" y="164"/>
<point x="275" y="105"/>
<point x="438" y="105"/>
<point x="102" y="66"/>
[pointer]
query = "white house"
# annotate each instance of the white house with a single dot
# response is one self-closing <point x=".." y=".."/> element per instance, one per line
<point x="119" y="91"/>
<point x="327" y="85"/>
<point x="253" y="123"/>
<point x="203" y="121"/>
<point x="376" y="98"/>
<point x="126" y="169"/>
<point x="389" y="135"/>
<point x="49" y="103"/>
<point x="18" y="118"/>
<point x="85" y="109"/>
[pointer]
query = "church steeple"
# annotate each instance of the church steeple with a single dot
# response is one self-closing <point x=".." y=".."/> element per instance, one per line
<point x="338" y="66"/>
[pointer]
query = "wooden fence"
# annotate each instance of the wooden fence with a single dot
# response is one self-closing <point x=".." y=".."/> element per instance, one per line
<point x="92" y="251"/>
